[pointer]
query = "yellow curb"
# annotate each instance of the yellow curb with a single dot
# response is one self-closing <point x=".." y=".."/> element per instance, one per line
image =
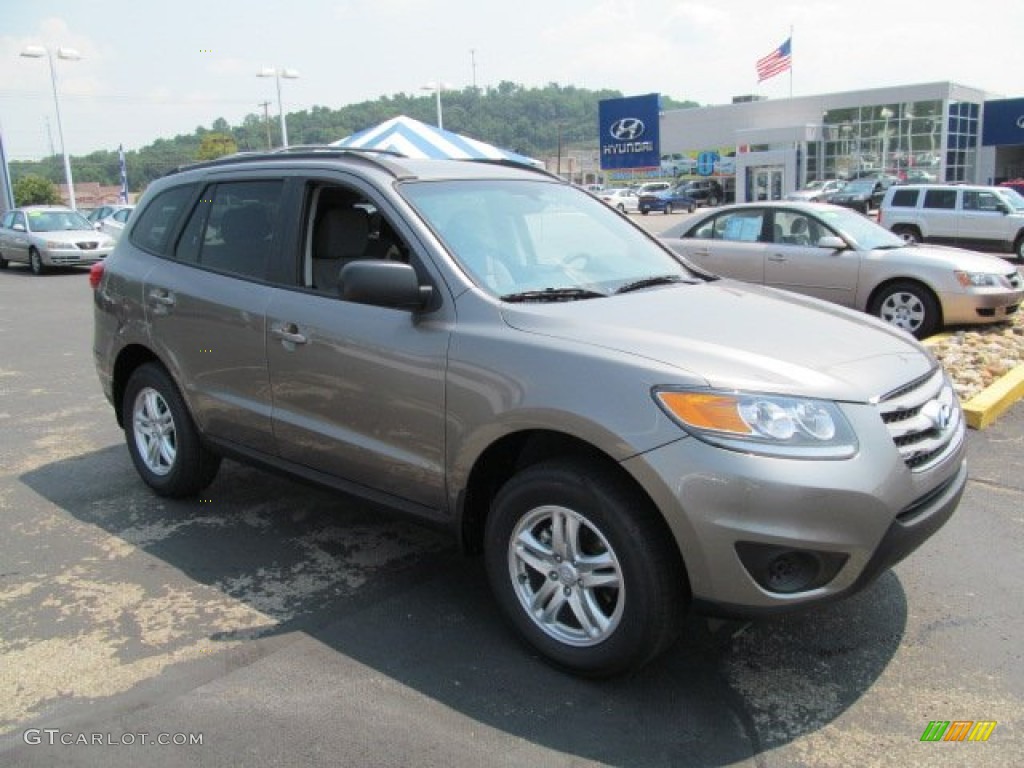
<point x="986" y="406"/>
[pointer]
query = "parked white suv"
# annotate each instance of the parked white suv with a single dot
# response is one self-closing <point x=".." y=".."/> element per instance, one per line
<point x="985" y="218"/>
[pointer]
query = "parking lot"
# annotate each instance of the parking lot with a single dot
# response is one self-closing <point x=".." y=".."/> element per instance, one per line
<point x="270" y="623"/>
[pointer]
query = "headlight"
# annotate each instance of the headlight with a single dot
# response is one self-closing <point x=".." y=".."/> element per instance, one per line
<point x="771" y="425"/>
<point x="979" y="279"/>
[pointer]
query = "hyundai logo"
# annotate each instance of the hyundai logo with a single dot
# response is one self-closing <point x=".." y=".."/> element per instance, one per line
<point x="1020" y="122"/>
<point x="939" y="414"/>
<point x="627" y="129"/>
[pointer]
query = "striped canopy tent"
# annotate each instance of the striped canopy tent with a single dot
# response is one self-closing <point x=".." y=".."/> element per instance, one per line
<point x="415" y="139"/>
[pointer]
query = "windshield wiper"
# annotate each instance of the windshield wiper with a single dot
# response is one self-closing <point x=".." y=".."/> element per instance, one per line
<point x="648" y="282"/>
<point x="554" y="294"/>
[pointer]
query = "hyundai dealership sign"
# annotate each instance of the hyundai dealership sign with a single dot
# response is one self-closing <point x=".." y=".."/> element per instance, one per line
<point x="629" y="132"/>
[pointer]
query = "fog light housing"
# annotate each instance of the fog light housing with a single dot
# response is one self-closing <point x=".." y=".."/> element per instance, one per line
<point x="785" y="570"/>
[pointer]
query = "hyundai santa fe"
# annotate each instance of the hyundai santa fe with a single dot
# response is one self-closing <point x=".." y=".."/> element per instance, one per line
<point x="623" y="436"/>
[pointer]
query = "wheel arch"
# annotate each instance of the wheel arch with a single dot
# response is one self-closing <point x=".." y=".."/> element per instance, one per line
<point x="513" y="452"/>
<point x="128" y="360"/>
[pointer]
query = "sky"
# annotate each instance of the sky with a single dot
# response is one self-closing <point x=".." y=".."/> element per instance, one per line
<point x="151" y="70"/>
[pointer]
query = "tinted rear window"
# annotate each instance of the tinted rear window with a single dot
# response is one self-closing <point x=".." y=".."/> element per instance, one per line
<point x="904" y="198"/>
<point x="156" y="224"/>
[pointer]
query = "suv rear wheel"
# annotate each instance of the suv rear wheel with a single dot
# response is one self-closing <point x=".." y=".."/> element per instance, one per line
<point x="162" y="439"/>
<point x="582" y="567"/>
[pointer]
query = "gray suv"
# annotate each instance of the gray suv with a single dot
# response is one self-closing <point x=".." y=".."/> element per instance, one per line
<point x="487" y="348"/>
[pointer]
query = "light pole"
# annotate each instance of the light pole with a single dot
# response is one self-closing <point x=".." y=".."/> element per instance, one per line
<point x="277" y="73"/>
<point x="437" y="88"/>
<point x="70" y="54"/>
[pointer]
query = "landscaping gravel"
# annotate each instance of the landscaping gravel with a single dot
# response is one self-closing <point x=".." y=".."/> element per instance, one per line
<point x="977" y="356"/>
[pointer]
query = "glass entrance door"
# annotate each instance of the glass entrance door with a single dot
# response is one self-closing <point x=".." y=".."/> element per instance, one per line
<point x="765" y="182"/>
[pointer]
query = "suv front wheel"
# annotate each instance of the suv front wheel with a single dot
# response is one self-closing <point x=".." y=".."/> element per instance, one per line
<point x="581" y="565"/>
<point x="162" y="439"/>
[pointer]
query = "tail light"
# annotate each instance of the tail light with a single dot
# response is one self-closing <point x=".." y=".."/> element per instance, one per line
<point x="96" y="274"/>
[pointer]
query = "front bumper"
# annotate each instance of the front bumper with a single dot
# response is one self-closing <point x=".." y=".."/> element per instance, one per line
<point x="73" y="257"/>
<point x="862" y="515"/>
<point x="979" y="306"/>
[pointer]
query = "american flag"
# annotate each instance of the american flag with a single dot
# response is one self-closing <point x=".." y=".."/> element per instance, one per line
<point x="775" y="62"/>
<point x="124" y="174"/>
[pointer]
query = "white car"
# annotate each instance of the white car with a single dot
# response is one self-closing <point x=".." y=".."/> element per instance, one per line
<point x="113" y="224"/>
<point x="621" y="199"/>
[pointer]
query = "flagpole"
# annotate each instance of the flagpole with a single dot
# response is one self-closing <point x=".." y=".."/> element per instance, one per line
<point x="791" y="61"/>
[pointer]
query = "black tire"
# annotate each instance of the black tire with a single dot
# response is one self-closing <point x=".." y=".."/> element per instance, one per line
<point x="622" y="208"/>
<point x="668" y="208"/>
<point x="643" y="211"/>
<point x="908" y="233"/>
<point x="176" y="464"/>
<point x="1018" y="247"/>
<point x="35" y="262"/>
<point x="908" y="305"/>
<point x="4" y="263"/>
<point x="692" y="207"/>
<point x="712" y="200"/>
<point x="638" y="597"/>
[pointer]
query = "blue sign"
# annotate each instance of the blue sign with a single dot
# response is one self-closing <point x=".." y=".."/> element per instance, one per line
<point x="706" y="162"/>
<point x="1004" y="123"/>
<point x="629" y="132"/>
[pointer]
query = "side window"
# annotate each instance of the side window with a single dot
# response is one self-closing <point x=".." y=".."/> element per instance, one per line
<point x="904" y="198"/>
<point x="980" y="200"/>
<point x="238" y="223"/>
<point x="343" y="226"/>
<point x="741" y="226"/>
<point x="8" y="220"/>
<point x="158" y="219"/>
<point x="794" y="228"/>
<point x="940" y="198"/>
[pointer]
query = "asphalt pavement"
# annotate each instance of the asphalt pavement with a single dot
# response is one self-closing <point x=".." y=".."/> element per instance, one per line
<point x="269" y="623"/>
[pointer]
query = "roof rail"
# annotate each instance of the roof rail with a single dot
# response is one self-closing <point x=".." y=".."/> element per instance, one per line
<point x="510" y="163"/>
<point x="377" y="157"/>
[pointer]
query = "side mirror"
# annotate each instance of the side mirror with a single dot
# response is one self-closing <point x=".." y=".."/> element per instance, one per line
<point x="18" y="227"/>
<point x="383" y="284"/>
<point x="833" y="242"/>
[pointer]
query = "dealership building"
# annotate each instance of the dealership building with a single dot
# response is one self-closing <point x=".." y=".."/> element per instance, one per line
<point x="763" y="149"/>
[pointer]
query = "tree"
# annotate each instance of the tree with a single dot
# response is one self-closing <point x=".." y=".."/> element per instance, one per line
<point x="215" y="145"/>
<point x="35" y="190"/>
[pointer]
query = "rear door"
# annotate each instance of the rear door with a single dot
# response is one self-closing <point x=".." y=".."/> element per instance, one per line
<point x="939" y="215"/>
<point x="206" y="304"/>
<point x="730" y="244"/>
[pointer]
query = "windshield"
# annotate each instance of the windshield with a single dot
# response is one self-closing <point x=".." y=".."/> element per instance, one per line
<point x="514" y="237"/>
<point x="56" y="221"/>
<point x="1013" y="198"/>
<point x="861" y="230"/>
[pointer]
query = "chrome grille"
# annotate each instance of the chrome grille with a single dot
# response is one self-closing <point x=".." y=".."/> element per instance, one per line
<point x="924" y="420"/>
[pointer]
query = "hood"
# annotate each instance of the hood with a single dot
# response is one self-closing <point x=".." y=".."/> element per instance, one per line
<point x="734" y="335"/>
<point x="948" y="256"/>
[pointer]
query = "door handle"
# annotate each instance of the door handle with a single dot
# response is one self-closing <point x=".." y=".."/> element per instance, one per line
<point x="777" y="257"/>
<point x="289" y="332"/>
<point x="161" y="297"/>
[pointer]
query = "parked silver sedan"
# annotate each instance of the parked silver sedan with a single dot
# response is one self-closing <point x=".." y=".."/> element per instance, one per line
<point x="113" y="224"/>
<point x="50" y="236"/>
<point x="838" y="255"/>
